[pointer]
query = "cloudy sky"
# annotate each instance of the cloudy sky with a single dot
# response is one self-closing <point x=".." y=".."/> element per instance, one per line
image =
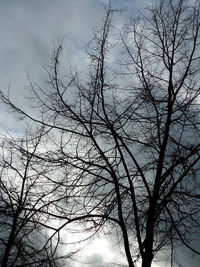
<point x="27" y="31"/>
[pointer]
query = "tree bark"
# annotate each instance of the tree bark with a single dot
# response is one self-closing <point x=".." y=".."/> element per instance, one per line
<point x="8" y="248"/>
<point x="147" y="260"/>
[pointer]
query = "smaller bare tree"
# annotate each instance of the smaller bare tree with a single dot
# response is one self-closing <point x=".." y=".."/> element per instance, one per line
<point x="24" y="192"/>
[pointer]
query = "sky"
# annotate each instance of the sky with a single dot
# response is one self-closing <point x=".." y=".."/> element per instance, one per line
<point x="28" y="29"/>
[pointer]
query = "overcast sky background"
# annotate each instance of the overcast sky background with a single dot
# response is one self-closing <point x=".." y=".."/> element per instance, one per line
<point x="27" y="31"/>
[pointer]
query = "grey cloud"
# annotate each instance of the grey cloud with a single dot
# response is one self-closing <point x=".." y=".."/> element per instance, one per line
<point x="27" y="30"/>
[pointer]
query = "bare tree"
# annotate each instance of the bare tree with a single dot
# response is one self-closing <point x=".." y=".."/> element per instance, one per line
<point x="126" y="141"/>
<point x="23" y="237"/>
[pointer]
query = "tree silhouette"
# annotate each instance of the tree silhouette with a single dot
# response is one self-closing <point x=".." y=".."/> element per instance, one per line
<point x="125" y="138"/>
<point x="23" y="237"/>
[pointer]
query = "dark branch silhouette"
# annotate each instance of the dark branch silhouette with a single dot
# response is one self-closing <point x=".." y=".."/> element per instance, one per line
<point x="124" y="139"/>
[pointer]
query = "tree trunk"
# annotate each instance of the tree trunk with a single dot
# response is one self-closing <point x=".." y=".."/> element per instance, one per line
<point x="4" y="262"/>
<point x="147" y="259"/>
<point x="7" y="250"/>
